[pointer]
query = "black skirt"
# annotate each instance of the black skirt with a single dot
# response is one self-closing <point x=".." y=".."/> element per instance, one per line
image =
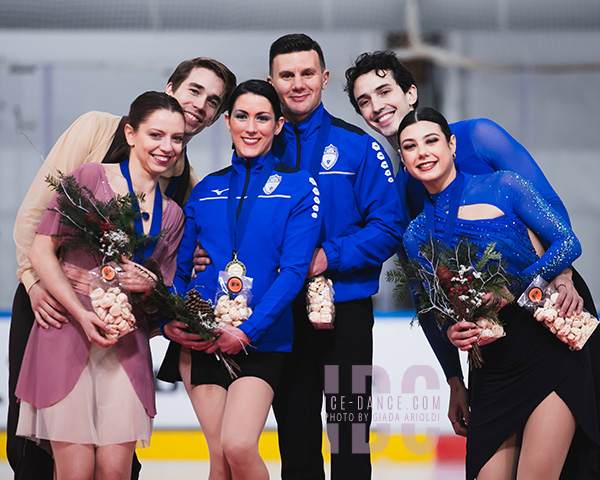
<point x="208" y="370"/>
<point x="519" y="371"/>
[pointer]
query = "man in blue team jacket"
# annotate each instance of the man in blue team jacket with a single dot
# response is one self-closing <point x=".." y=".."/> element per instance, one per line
<point x="361" y="229"/>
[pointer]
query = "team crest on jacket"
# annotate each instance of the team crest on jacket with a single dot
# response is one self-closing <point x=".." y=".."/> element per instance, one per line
<point x="330" y="156"/>
<point x="272" y="183"/>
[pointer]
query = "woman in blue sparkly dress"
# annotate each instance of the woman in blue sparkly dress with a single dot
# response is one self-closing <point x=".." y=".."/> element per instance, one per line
<point x="533" y="396"/>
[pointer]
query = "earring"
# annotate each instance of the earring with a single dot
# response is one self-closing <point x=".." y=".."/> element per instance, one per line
<point x="454" y="156"/>
<point x="403" y="166"/>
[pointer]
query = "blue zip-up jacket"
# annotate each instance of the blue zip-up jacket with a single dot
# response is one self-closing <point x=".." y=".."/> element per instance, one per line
<point x="361" y="211"/>
<point x="482" y="146"/>
<point x="276" y="249"/>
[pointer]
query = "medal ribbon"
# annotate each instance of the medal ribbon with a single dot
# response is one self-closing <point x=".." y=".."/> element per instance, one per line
<point x="238" y="217"/>
<point x="455" y="197"/>
<point x="156" y="224"/>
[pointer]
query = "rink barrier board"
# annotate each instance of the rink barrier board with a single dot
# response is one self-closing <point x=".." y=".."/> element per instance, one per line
<point x="191" y="445"/>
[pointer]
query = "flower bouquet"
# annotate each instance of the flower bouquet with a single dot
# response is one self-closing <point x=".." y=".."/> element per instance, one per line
<point x="193" y="310"/>
<point x="454" y="284"/>
<point x="107" y="230"/>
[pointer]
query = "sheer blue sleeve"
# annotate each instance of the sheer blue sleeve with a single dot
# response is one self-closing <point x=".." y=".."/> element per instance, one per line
<point x="496" y="146"/>
<point x="545" y="222"/>
<point x="445" y="352"/>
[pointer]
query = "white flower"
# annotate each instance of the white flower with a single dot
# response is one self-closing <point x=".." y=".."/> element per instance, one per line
<point x="112" y="241"/>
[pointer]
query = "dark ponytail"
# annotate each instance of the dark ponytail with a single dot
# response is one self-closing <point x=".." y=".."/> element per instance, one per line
<point x="425" y="114"/>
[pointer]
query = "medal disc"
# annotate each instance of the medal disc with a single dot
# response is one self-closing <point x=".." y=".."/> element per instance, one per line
<point x="236" y="268"/>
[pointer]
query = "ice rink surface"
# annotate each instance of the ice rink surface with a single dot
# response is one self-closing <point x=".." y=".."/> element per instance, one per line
<point x="159" y="470"/>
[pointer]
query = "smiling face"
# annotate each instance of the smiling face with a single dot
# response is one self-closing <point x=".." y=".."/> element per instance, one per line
<point x="200" y="96"/>
<point x="252" y="125"/>
<point x="427" y="155"/>
<point x="158" y="141"/>
<point x="382" y="102"/>
<point x="299" y="80"/>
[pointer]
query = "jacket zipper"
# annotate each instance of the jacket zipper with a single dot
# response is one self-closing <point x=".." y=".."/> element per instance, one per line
<point x="298" y="149"/>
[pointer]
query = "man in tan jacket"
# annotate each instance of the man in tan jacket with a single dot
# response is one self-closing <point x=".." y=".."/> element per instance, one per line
<point x="202" y="86"/>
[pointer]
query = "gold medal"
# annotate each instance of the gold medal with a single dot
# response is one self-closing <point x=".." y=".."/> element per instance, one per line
<point x="235" y="268"/>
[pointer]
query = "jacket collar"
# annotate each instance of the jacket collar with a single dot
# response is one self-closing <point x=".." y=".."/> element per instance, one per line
<point x="310" y="123"/>
<point x="239" y="163"/>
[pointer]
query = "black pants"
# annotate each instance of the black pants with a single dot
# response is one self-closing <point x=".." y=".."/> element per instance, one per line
<point x="322" y="362"/>
<point x="28" y="461"/>
<point x="593" y="344"/>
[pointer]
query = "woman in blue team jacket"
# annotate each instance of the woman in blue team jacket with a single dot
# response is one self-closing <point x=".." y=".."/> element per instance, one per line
<point x="264" y="215"/>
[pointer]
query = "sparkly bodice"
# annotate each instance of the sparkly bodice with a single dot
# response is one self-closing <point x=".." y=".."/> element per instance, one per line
<point x="523" y="207"/>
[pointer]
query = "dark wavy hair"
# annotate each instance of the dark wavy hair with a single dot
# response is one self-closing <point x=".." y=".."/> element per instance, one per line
<point x="380" y="62"/>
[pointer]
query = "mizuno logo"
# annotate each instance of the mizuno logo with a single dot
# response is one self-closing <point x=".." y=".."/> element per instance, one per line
<point x="219" y="192"/>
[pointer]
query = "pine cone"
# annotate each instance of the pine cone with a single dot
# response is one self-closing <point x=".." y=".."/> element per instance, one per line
<point x="197" y="306"/>
<point x="444" y="275"/>
<point x="192" y="301"/>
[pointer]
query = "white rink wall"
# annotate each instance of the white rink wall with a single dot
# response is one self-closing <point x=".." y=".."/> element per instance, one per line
<point x="410" y="390"/>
